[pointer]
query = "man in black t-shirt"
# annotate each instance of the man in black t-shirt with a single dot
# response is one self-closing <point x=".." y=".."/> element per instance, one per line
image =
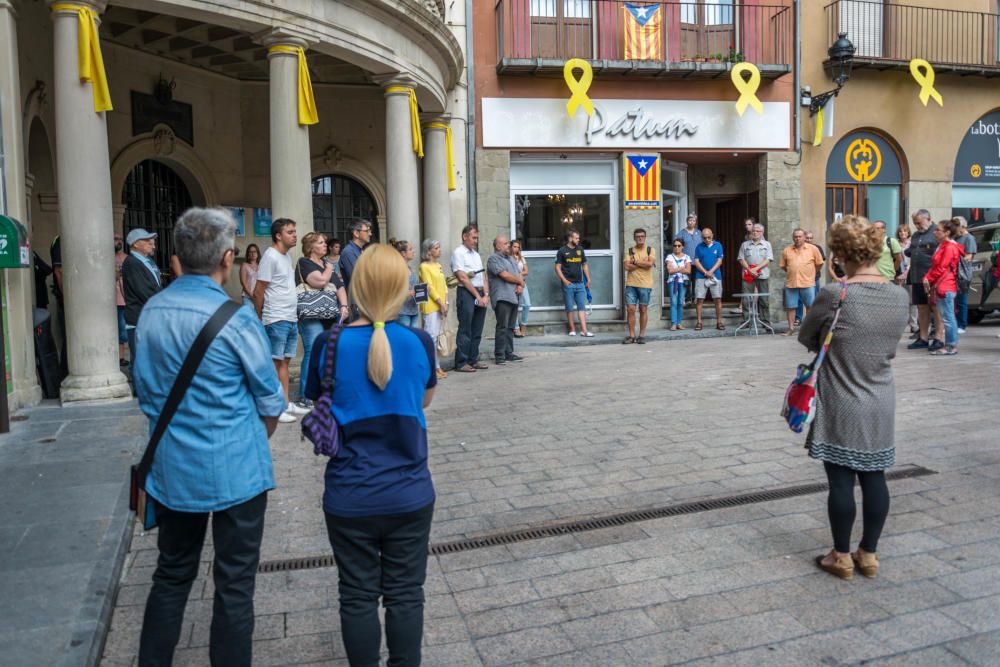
<point x="574" y="274"/>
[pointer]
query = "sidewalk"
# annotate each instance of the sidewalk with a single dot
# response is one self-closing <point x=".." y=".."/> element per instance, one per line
<point x="65" y="529"/>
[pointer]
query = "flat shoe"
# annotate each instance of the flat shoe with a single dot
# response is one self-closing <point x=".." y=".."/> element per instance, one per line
<point x="867" y="563"/>
<point x="441" y="374"/>
<point x="720" y="327"/>
<point x="673" y="328"/>
<point x="465" y="369"/>
<point x="628" y="340"/>
<point x="640" y="340"/>
<point x="480" y="366"/>
<point x="697" y="327"/>
<point x="842" y="567"/>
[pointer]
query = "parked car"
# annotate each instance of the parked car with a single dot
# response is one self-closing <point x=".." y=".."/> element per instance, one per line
<point x="984" y="295"/>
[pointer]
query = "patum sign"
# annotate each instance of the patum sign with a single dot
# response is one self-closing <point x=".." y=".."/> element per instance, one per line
<point x="634" y="124"/>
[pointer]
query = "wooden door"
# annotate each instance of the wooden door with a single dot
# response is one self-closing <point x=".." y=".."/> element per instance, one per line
<point x="729" y="217"/>
<point x="841" y="200"/>
<point x="707" y="29"/>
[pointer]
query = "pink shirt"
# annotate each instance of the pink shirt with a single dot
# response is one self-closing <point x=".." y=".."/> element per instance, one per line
<point x="119" y="295"/>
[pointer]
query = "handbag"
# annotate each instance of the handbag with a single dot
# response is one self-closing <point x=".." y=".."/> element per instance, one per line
<point x="139" y="500"/>
<point x="799" y="408"/>
<point x="320" y="426"/>
<point x="445" y="343"/>
<point x="316" y="304"/>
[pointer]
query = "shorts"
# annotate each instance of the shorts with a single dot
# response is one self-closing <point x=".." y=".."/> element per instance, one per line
<point x="284" y="337"/>
<point x="575" y="297"/>
<point x="701" y="289"/>
<point x="796" y="295"/>
<point x="637" y="295"/>
<point x="918" y="295"/>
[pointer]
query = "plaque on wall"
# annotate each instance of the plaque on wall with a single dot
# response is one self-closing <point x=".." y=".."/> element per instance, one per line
<point x="147" y="112"/>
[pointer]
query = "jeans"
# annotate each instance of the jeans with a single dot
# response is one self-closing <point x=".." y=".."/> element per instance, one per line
<point x="946" y="304"/>
<point x="842" y="508"/>
<point x="381" y="557"/>
<point x="470" y="329"/>
<point x="308" y="330"/>
<point x="677" y="293"/>
<point x="575" y="297"/>
<point x="506" y="313"/>
<point x="130" y="336"/>
<point x="523" y="307"/>
<point x="283" y="336"/>
<point x="962" y="309"/>
<point x="122" y="331"/>
<point x="236" y="534"/>
<point x="409" y="320"/>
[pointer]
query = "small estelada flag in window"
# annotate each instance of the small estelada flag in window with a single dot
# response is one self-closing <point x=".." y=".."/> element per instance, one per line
<point x="642" y="181"/>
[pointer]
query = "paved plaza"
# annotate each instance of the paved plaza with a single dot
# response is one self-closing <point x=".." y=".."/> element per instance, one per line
<point x="601" y="429"/>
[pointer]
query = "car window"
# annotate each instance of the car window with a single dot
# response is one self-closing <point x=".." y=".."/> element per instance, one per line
<point x="987" y="239"/>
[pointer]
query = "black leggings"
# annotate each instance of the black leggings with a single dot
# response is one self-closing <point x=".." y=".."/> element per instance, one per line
<point x="842" y="509"/>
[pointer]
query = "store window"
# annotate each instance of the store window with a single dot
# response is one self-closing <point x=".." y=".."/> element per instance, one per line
<point x="550" y="198"/>
<point x="976" y="189"/>
<point x="864" y="176"/>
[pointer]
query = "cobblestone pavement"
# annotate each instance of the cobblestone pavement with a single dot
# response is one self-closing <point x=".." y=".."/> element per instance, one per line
<point x="596" y="430"/>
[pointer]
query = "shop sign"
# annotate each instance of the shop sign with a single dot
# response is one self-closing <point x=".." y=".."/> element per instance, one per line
<point x="863" y="157"/>
<point x="978" y="159"/>
<point x="632" y="124"/>
<point x="14" y="251"/>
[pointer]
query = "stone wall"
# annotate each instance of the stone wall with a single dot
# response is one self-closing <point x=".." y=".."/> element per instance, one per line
<point x="779" y="180"/>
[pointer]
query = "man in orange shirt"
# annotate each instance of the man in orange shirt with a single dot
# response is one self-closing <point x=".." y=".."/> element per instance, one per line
<point x="800" y="261"/>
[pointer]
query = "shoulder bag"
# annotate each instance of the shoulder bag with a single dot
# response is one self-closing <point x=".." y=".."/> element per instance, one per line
<point x="139" y="501"/>
<point x="799" y="409"/>
<point x="320" y="426"/>
<point x="315" y="304"/>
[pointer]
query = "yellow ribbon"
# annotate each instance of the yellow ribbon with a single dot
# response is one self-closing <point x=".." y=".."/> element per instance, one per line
<point x="578" y="87"/>
<point x="307" y="102"/>
<point x="747" y="87"/>
<point x="449" y="151"/>
<point x="818" y="138"/>
<point x="91" y="62"/>
<point x="418" y="139"/>
<point x="926" y="81"/>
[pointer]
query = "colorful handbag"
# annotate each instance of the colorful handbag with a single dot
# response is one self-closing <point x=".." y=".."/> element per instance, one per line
<point x="320" y="426"/>
<point x="799" y="408"/>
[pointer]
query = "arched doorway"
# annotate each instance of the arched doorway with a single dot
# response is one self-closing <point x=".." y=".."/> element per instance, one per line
<point x="976" y="189"/>
<point x="336" y="200"/>
<point x="864" y="176"/>
<point x="154" y="196"/>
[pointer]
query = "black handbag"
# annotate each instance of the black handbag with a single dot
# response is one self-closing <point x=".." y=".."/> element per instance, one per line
<point x="139" y="501"/>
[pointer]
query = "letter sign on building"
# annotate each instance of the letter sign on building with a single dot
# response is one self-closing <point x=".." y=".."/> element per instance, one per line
<point x="978" y="159"/>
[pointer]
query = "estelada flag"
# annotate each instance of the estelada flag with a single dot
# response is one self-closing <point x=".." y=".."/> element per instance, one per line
<point x="643" y="39"/>
<point x="642" y="181"/>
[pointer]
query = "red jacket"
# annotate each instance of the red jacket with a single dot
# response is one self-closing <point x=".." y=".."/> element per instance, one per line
<point x="944" y="267"/>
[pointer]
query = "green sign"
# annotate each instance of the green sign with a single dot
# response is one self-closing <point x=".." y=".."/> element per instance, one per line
<point x="14" y="252"/>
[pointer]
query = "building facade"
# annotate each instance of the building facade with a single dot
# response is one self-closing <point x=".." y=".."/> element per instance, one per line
<point x="205" y="112"/>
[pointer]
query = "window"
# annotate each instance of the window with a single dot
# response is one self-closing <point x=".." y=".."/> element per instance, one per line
<point x="339" y="199"/>
<point x="154" y="197"/>
<point x="542" y="220"/>
<point x="577" y="9"/>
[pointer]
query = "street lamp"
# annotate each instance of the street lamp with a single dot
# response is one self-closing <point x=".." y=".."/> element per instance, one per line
<point x="841" y="57"/>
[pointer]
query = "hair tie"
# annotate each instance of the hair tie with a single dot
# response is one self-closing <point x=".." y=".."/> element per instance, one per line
<point x="378" y="325"/>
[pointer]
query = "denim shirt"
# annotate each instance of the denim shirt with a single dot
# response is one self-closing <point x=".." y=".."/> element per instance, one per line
<point x="214" y="454"/>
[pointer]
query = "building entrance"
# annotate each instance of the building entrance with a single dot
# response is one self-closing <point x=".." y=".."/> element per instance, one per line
<point x="154" y="197"/>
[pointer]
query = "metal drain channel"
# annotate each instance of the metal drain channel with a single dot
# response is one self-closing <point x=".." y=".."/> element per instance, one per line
<point x="597" y="523"/>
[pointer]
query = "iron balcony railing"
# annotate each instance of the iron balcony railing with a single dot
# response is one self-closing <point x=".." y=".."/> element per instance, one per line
<point x="959" y="40"/>
<point x="547" y="31"/>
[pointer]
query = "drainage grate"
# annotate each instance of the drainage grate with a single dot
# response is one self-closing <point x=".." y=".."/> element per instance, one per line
<point x="596" y="523"/>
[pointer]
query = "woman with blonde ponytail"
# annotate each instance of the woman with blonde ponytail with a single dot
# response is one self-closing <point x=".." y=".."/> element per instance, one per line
<point x="379" y="497"/>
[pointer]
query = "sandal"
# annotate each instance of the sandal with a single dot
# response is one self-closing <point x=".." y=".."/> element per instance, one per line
<point x="480" y="366"/>
<point x="720" y="327"/>
<point x="790" y="332"/>
<point x="673" y="327"/>
<point x="628" y="340"/>
<point x="465" y="369"/>
<point x="697" y="326"/>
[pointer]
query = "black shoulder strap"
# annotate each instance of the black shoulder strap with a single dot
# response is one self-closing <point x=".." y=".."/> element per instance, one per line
<point x="184" y="377"/>
<point x="330" y="361"/>
<point x="631" y="253"/>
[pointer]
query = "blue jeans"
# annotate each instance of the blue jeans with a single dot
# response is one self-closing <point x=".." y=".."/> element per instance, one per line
<point x="962" y="309"/>
<point x="122" y="334"/>
<point x="308" y="330"/>
<point x="409" y="320"/>
<point x="946" y="306"/>
<point x="676" y="302"/>
<point x="283" y="336"/>
<point x="575" y="297"/>
<point x="470" y="329"/>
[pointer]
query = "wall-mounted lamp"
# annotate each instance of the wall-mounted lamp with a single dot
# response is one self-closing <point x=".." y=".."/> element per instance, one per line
<point x="841" y="56"/>
<point x="164" y="90"/>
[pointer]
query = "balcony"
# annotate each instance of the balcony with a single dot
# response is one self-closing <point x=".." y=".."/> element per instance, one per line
<point x="888" y="36"/>
<point x="668" y="40"/>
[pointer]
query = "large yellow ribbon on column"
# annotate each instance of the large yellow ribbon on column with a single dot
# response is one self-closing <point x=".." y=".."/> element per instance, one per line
<point x="926" y="80"/>
<point x="747" y="87"/>
<point x="449" y="150"/>
<point x="578" y="87"/>
<point x="308" y="115"/>
<point x="418" y="139"/>
<point x="91" y="62"/>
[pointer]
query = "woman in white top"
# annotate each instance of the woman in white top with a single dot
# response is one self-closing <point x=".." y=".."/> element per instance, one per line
<point x="248" y="273"/>
<point x="523" y="300"/>
<point x="678" y="267"/>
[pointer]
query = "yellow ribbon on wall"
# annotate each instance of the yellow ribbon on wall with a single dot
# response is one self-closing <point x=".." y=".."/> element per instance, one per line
<point x="578" y="87"/>
<point x="418" y="139"/>
<point x="308" y="114"/>
<point x="818" y="137"/>
<point x="91" y="62"/>
<point x="747" y="87"/>
<point x="926" y="80"/>
<point x="449" y="150"/>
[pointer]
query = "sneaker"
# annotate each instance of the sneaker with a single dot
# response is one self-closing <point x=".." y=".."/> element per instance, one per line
<point x="640" y="340"/>
<point x="587" y="334"/>
<point x="297" y="409"/>
<point x="961" y="330"/>
<point x="571" y="333"/>
<point x="515" y="357"/>
<point x="918" y="344"/>
<point x="628" y="340"/>
<point x="286" y="418"/>
<point x="500" y="362"/>
<point x="935" y="345"/>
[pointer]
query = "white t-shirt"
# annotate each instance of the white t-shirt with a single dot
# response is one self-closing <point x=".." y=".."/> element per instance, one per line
<point x="469" y="261"/>
<point x="676" y="262"/>
<point x="280" y="302"/>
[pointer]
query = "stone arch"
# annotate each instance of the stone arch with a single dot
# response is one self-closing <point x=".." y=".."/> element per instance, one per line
<point x="333" y="162"/>
<point x="40" y="186"/>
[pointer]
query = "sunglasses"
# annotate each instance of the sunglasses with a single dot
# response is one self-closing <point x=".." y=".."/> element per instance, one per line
<point x="678" y="245"/>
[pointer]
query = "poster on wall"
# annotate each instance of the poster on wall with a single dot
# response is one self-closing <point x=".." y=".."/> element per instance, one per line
<point x="239" y="215"/>
<point x="262" y="222"/>
<point x="978" y="160"/>
<point x="642" y="181"/>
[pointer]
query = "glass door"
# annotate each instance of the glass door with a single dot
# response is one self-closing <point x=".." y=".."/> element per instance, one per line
<point x="708" y="28"/>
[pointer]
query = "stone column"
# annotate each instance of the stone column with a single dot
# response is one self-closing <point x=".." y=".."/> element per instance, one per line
<point x="437" y="200"/>
<point x="291" y="170"/>
<point x="85" y="224"/>
<point x="401" y="189"/>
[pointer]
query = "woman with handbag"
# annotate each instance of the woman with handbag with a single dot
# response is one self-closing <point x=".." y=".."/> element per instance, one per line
<point x="322" y="300"/>
<point x="435" y="309"/>
<point x="943" y="279"/>
<point x="379" y="497"/>
<point x="853" y="432"/>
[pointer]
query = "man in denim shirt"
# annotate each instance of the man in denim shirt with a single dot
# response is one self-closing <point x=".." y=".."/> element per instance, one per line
<point x="214" y="457"/>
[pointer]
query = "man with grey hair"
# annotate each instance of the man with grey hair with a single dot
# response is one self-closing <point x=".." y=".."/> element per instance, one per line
<point x="140" y="280"/>
<point x="921" y="250"/>
<point x="755" y="256"/>
<point x="214" y="461"/>
<point x="506" y="284"/>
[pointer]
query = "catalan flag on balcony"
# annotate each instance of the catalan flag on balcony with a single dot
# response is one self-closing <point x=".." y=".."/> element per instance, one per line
<point x="642" y="181"/>
<point x="643" y="35"/>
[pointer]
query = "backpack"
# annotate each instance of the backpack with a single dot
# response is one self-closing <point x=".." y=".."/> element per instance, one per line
<point x="631" y="252"/>
<point x="963" y="274"/>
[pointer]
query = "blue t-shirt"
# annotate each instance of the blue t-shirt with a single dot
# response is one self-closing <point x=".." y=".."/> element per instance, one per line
<point x="708" y="255"/>
<point x="381" y="467"/>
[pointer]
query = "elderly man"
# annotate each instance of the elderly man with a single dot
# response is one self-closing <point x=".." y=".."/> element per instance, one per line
<point x="472" y="299"/>
<point x="755" y="256"/>
<point x="213" y="461"/>
<point x="921" y="250"/>
<point x="800" y="261"/>
<point x="506" y="284"/>
<point x="140" y="280"/>
<point x="708" y="276"/>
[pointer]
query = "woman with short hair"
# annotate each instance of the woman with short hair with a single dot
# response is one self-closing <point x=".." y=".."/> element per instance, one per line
<point x="435" y="309"/>
<point x="943" y="278"/>
<point x="853" y="432"/>
<point x="379" y="497"/>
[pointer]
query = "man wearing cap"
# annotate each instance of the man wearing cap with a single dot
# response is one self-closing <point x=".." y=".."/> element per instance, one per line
<point x="140" y="280"/>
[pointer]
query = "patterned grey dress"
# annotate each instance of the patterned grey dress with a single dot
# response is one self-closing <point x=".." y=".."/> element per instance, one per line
<point x="855" y="391"/>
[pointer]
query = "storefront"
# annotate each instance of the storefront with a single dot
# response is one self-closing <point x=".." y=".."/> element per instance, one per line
<point x="976" y="190"/>
<point x="865" y="176"/>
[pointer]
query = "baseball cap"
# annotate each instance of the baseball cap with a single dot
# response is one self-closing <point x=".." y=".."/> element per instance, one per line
<point x="138" y="235"/>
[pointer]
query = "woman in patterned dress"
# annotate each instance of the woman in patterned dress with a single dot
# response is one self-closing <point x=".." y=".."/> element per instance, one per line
<point x="854" y="430"/>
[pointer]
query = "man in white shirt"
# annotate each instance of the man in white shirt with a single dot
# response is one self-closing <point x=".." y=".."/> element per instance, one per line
<point x="473" y="299"/>
<point x="275" y="300"/>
